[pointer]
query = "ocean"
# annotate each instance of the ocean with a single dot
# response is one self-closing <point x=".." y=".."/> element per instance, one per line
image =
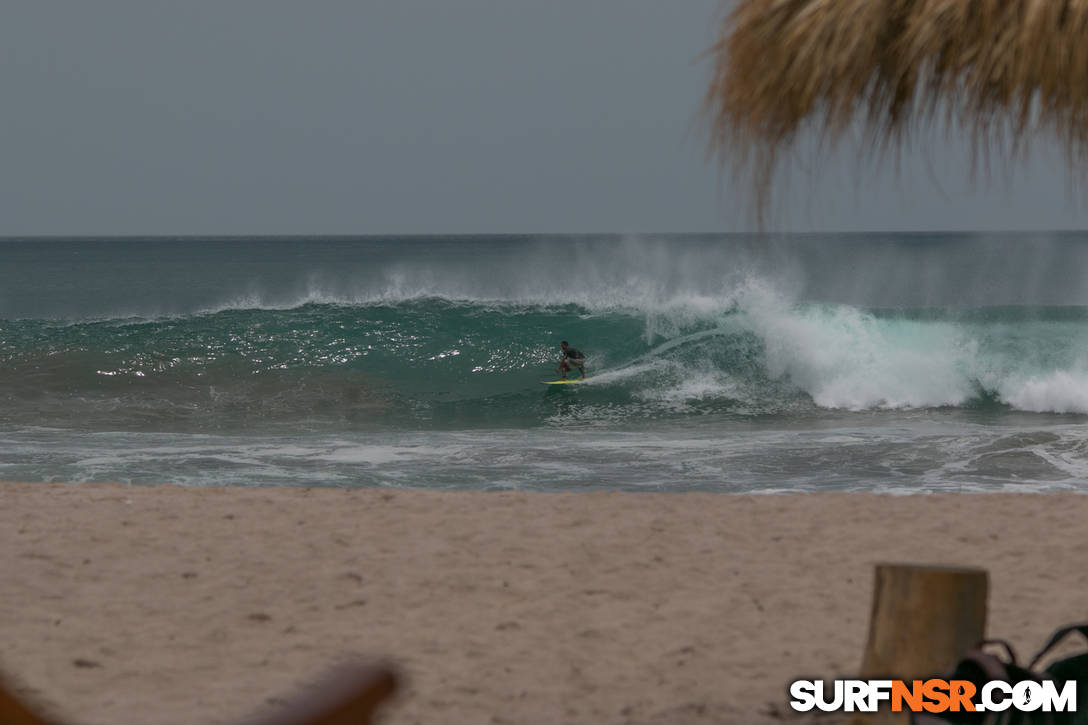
<point x="736" y="363"/>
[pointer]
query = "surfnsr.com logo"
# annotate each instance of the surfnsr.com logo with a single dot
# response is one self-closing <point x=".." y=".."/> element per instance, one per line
<point x="933" y="696"/>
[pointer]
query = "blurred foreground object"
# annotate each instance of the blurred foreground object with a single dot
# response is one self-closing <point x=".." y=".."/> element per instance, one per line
<point x="14" y="712"/>
<point x="1000" y="69"/>
<point x="348" y="696"/>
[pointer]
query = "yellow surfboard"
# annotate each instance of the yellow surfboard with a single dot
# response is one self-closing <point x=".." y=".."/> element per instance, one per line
<point x="563" y="382"/>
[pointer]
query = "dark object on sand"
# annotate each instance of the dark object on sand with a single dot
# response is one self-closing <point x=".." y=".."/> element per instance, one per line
<point x="980" y="666"/>
<point x="348" y="696"/>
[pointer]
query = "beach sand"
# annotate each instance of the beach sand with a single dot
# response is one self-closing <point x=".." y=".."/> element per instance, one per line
<point x="166" y="604"/>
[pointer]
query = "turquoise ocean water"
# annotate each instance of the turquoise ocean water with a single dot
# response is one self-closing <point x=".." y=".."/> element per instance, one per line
<point x="906" y="363"/>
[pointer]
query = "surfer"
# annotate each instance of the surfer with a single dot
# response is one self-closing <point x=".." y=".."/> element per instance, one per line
<point x="571" y="359"/>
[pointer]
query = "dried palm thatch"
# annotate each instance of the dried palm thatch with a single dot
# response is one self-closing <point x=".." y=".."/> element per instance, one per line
<point x="1003" y="70"/>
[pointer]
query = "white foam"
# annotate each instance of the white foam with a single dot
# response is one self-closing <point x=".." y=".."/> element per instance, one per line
<point x="846" y="358"/>
<point x="376" y="455"/>
<point x="1062" y="391"/>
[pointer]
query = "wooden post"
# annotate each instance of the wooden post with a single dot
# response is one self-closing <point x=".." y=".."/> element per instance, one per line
<point x="924" y="619"/>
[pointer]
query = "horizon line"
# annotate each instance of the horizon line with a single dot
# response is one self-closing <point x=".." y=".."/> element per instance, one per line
<point x="463" y="235"/>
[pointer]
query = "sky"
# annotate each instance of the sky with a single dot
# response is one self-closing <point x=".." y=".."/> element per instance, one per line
<point x="146" y="117"/>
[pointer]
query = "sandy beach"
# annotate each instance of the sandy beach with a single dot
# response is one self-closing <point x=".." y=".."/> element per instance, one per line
<point x="205" y="605"/>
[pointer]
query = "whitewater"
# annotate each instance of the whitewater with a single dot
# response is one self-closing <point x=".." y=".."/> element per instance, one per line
<point x="737" y="363"/>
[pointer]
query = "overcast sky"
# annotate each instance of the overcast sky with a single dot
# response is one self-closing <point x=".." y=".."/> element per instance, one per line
<point x="411" y="116"/>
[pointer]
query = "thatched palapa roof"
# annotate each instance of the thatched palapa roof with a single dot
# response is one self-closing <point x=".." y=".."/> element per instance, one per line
<point x="1000" y="69"/>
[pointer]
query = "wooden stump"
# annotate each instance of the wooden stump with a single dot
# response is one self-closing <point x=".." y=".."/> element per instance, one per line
<point x="924" y="619"/>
